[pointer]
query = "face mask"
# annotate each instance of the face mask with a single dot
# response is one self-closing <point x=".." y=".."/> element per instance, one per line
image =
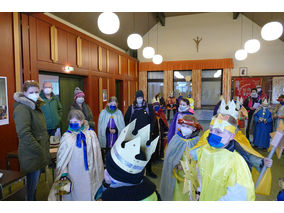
<point x="112" y="107"/>
<point x="47" y="91"/>
<point x="74" y="126"/>
<point x="183" y="108"/>
<point x="33" y="96"/>
<point x="80" y="100"/>
<point x="253" y="95"/>
<point x="282" y="103"/>
<point x="186" y="131"/>
<point x="139" y="100"/>
<point x="259" y="89"/>
<point x="215" y="140"/>
<point x="156" y="108"/>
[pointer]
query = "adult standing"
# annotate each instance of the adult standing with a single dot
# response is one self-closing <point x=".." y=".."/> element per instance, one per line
<point x="260" y="93"/>
<point x="251" y="103"/>
<point x="31" y="128"/>
<point x="110" y="125"/>
<point x="52" y="109"/>
<point x="143" y="112"/>
<point x="279" y="111"/>
<point x="80" y="104"/>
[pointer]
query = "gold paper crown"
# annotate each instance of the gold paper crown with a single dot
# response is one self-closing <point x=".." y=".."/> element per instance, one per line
<point x="229" y="109"/>
<point x="124" y="157"/>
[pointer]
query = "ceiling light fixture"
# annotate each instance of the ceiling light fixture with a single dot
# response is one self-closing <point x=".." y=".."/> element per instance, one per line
<point x="158" y="58"/>
<point x="148" y="52"/>
<point x="241" y="54"/>
<point x="252" y="45"/>
<point x="134" y="41"/>
<point x="272" y="31"/>
<point x="108" y="23"/>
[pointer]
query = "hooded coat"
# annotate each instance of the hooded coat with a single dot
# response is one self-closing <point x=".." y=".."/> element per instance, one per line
<point x="33" y="148"/>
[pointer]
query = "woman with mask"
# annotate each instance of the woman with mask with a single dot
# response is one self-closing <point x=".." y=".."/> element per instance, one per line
<point x="110" y="124"/>
<point x="79" y="104"/>
<point x="279" y="111"/>
<point x="33" y="149"/>
<point x="172" y="180"/>
<point x="79" y="162"/>
<point x="183" y="109"/>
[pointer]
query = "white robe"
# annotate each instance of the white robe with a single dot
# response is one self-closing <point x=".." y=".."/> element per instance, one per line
<point x="103" y="122"/>
<point x="70" y="159"/>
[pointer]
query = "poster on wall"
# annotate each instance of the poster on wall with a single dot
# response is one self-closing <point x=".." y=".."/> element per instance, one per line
<point x="278" y="88"/>
<point x="4" y="114"/>
<point x="104" y="95"/>
<point x="243" y="86"/>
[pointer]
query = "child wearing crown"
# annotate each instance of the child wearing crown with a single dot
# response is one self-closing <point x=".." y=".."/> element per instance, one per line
<point x="227" y="155"/>
<point x="124" y="178"/>
<point x="79" y="166"/>
<point x="262" y="120"/>
<point x="172" y="180"/>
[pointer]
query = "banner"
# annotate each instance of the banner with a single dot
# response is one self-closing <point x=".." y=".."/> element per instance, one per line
<point x="4" y="114"/>
<point x="243" y="86"/>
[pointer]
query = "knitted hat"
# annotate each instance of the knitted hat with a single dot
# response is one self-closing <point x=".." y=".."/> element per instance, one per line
<point x="139" y="93"/>
<point x="78" y="92"/>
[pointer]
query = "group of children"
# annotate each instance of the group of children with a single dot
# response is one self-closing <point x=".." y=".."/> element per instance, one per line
<point x="219" y="165"/>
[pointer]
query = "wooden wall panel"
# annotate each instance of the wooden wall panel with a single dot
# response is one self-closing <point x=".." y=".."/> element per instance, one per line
<point x="85" y="54"/>
<point x="104" y="60"/>
<point x="8" y="138"/>
<point x="62" y="46"/>
<point x="71" y="49"/>
<point x="93" y="56"/>
<point x="196" y="88"/>
<point x="227" y="84"/>
<point x="124" y="65"/>
<point x="125" y="102"/>
<point x="26" y="48"/>
<point x="132" y="68"/>
<point x="132" y="91"/>
<point x="114" y="64"/>
<point x="43" y="41"/>
<point x="143" y="83"/>
<point x="105" y="87"/>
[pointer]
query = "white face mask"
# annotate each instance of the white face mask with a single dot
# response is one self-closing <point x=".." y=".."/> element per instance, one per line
<point x="33" y="96"/>
<point x="258" y="89"/>
<point x="139" y="100"/>
<point x="186" y="131"/>
<point x="183" y="108"/>
<point x="47" y="91"/>
<point x="80" y="100"/>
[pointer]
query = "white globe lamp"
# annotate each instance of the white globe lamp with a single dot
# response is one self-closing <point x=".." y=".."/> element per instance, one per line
<point x="252" y="46"/>
<point x="241" y="54"/>
<point x="108" y="23"/>
<point x="148" y="52"/>
<point x="134" y="41"/>
<point x="157" y="59"/>
<point x="272" y="31"/>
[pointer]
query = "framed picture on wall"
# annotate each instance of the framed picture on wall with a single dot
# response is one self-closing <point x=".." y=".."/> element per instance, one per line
<point x="104" y="95"/>
<point x="4" y="114"/>
<point x="243" y="71"/>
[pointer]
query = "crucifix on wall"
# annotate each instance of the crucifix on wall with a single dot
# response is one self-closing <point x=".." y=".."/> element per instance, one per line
<point x="197" y="41"/>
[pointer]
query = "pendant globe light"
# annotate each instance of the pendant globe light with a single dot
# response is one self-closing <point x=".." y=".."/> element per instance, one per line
<point x="108" y="23"/>
<point x="272" y="31"/>
<point x="148" y="52"/>
<point x="252" y="45"/>
<point x="157" y="59"/>
<point x="241" y="54"/>
<point x="134" y="41"/>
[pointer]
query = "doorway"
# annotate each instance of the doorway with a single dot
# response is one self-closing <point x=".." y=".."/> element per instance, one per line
<point x="65" y="85"/>
<point x="118" y="93"/>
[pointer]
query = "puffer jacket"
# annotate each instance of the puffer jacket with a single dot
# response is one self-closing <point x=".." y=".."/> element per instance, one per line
<point x="33" y="148"/>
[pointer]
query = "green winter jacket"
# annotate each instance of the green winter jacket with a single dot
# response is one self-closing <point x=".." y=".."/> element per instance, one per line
<point x="52" y="110"/>
<point x="33" y="148"/>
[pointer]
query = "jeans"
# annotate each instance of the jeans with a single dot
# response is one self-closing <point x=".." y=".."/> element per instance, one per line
<point x="32" y="181"/>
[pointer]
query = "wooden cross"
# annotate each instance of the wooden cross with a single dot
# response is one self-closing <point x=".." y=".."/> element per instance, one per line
<point x="197" y="41"/>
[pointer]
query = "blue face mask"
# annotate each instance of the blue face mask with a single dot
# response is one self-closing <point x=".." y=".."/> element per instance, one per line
<point x="156" y="108"/>
<point x="112" y="108"/>
<point x="139" y="100"/>
<point x="74" y="126"/>
<point x="215" y="140"/>
<point x="282" y="103"/>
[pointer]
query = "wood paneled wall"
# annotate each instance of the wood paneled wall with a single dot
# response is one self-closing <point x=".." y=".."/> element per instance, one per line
<point x="196" y="87"/>
<point x="227" y="84"/>
<point x="49" y="45"/>
<point x="143" y="83"/>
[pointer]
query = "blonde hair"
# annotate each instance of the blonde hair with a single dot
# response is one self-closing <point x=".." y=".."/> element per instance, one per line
<point x="111" y="99"/>
<point x="30" y="83"/>
<point x="76" y="114"/>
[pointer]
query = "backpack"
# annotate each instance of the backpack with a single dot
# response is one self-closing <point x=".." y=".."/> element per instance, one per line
<point x="133" y="110"/>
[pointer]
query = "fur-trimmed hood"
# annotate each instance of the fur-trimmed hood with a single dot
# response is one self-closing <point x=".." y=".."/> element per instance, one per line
<point x="21" y="98"/>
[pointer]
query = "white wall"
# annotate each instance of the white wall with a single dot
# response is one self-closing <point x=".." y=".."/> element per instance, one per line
<point x="221" y="37"/>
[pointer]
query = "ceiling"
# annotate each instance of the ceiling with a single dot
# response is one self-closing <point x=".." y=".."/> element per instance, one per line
<point x="144" y="21"/>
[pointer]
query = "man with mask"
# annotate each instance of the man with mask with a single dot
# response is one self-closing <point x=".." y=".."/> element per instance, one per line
<point x="262" y="122"/>
<point x="52" y="109"/>
<point x="279" y="111"/>
<point x="79" y="104"/>
<point x="171" y="105"/>
<point x="260" y="93"/>
<point x="250" y="105"/>
<point x="143" y="112"/>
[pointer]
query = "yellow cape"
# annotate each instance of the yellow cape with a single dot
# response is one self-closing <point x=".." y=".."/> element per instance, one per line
<point x="264" y="186"/>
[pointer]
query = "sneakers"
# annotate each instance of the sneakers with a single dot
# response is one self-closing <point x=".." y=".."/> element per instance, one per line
<point x="151" y="174"/>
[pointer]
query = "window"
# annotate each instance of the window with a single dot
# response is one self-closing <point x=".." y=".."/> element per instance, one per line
<point x="155" y="81"/>
<point x="180" y="84"/>
<point x="211" y="87"/>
